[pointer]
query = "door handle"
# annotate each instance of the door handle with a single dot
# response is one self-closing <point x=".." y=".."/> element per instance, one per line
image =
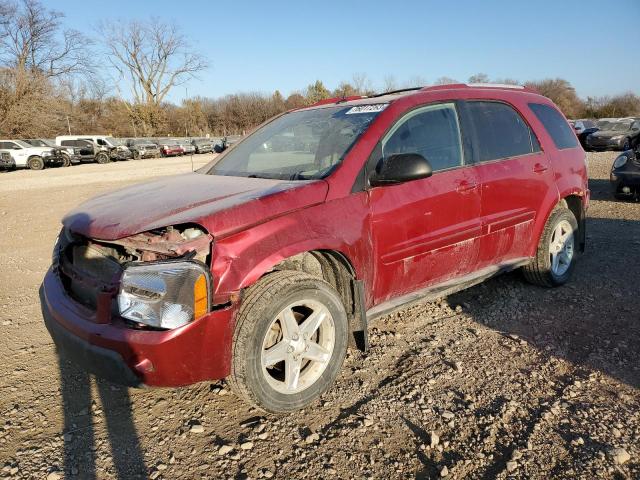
<point x="465" y="186"/>
<point x="540" y="168"/>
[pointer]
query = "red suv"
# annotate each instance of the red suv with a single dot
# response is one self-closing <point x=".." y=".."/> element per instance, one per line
<point x="263" y="266"/>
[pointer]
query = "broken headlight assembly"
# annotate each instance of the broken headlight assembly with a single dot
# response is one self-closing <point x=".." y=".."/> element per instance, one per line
<point x="165" y="295"/>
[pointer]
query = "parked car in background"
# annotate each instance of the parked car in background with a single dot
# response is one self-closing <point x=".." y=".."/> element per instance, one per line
<point x="170" y="148"/>
<point x="227" y="142"/>
<point x="263" y="266"/>
<point x="187" y="147"/>
<point x="202" y="145"/>
<point x="584" y="128"/>
<point x="69" y="155"/>
<point x="6" y="161"/>
<point x="28" y="156"/>
<point x="86" y="149"/>
<point x="107" y="148"/>
<point x="619" y="135"/>
<point x="625" y="175"/>
<point x="142" y="148"/>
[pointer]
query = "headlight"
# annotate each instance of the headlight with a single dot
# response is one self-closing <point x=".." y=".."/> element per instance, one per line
<point x="617" y="137"/>
<point x="55" y="254"/>
<point x="46" y="154"/>
<point x="164" y="295"/>
<point x="620" y="161"/>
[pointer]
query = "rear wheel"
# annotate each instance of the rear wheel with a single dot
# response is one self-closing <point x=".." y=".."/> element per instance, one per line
<point x="102" y="158"/>
<point x="556" y="254"/>
<point x="36" y="163"/>
<point x="289" y="343"/>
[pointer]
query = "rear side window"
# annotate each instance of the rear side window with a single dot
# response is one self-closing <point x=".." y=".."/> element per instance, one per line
<point x="555" y="125"/>
<point x="431" y="131"/>
<point x="67" y="143"/>
<point x="500" y="131"/>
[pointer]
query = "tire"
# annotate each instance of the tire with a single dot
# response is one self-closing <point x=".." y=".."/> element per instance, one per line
<point x="35" y="163"/>
<point x="136" y="155"/>
<point x="102" y="158"/>
<point x="627" y="145"/>
<point x="66" y="161"/>
<point x="259" y="329"/>
<point x="544" y="270"/>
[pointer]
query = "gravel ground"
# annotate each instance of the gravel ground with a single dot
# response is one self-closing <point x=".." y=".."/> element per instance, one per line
<point x="504" y="380"/>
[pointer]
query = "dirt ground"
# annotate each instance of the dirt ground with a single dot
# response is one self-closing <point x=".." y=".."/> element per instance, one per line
<point x="504" y="380"/>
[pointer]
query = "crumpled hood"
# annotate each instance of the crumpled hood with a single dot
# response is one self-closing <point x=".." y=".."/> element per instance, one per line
<point x="220" y="204"/>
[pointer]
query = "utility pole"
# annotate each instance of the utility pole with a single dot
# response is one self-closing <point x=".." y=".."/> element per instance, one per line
<point x="68" y="125"/>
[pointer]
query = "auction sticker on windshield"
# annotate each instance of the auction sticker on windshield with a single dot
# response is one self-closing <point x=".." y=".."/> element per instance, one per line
<point x="378" y="107"/>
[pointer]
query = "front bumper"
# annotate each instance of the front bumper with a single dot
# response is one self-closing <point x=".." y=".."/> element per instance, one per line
<point x="621" y="179"/>
<point x="7" y="163"/>
<point x="121" y="155"/>
<point x="604" y="144"/>
<point x="195" y="352"/>
<point x="149" y="153"/>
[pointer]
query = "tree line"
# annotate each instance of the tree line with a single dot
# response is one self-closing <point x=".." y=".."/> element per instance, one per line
<point x="51" y="82"/>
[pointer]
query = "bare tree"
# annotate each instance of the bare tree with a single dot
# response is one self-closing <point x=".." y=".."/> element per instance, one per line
<point x="33" y="39"/>
<point x="389" y="84"/>
<point x="152" y="57"/>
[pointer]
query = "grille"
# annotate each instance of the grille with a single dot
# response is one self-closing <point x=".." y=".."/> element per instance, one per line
<point x="93" y="263"/>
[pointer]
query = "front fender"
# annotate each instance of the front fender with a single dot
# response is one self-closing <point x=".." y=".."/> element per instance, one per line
<point x="340" y="225"/>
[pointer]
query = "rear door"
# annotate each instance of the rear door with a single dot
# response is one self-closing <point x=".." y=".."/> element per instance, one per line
<point x="515" y="175"/>
<point x="425" y="231"/>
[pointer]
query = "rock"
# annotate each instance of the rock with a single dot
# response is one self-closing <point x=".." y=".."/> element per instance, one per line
<point x="435" y="439"/>
<point x="367" y="422"/>
<point x="444" y="472"/>
<point x="54" y="476"/>
<point x="516" y="455"/>
<point x="448" y="415"/>
<point x="196" y="427"/>
<point x="619" y="455"/>
<point x="314" y="437"/>
<point x="267" y="474"/>
<point x="511" y="465"/>
<point x="161" y="466"/>
<point x="246" y="445"/>
<point x="224" y="449"/>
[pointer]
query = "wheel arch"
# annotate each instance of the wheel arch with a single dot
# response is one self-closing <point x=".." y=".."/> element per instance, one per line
<point x="573" y="200"/>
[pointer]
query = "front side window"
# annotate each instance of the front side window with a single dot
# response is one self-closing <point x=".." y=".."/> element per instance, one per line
<point x="555" y="125"/>
<point x="500" y="131"/>
<point x="301" y="145"/>
<point x="432" y="131"/>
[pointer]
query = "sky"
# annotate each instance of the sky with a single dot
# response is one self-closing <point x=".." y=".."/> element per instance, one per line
<point x="286" y="45"/>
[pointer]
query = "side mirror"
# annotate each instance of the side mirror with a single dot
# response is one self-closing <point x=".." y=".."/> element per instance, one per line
<point x="401" y="168"/>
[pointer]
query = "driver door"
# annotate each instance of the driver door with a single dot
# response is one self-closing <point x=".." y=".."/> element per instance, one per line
<point x="425" y="231"/>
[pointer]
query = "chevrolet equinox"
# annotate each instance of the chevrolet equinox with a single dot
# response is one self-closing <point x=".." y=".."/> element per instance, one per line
<point x="267" y="263"/>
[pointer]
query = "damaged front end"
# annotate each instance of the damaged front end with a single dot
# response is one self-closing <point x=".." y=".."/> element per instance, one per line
<point x="151" y="280"/>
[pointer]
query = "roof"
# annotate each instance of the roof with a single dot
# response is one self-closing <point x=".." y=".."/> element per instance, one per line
<point x="388" y="97"/>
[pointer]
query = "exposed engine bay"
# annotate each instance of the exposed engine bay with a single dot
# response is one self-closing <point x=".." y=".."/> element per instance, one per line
<point x="93" y="265"/>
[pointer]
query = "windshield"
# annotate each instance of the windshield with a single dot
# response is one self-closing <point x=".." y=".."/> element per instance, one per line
<point x="114" y="142"/>
<point x="301" y="145"/>
<point x="36" y="142"/>
<point x="620" y="127"/>
<point x="23" y="144"/>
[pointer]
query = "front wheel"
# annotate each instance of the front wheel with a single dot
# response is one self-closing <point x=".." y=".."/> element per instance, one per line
<point x="627" y="145"/>
<point x="136" y="155"/>
<point x="102" y="158"/>
<point x="36" y="163"/>
<point x="66" y="161"/>
<point x="289" y="343"/>
<point x="556" y="254"/>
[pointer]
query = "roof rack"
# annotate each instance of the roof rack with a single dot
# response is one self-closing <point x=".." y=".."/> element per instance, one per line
<point x="391" y="92"/>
